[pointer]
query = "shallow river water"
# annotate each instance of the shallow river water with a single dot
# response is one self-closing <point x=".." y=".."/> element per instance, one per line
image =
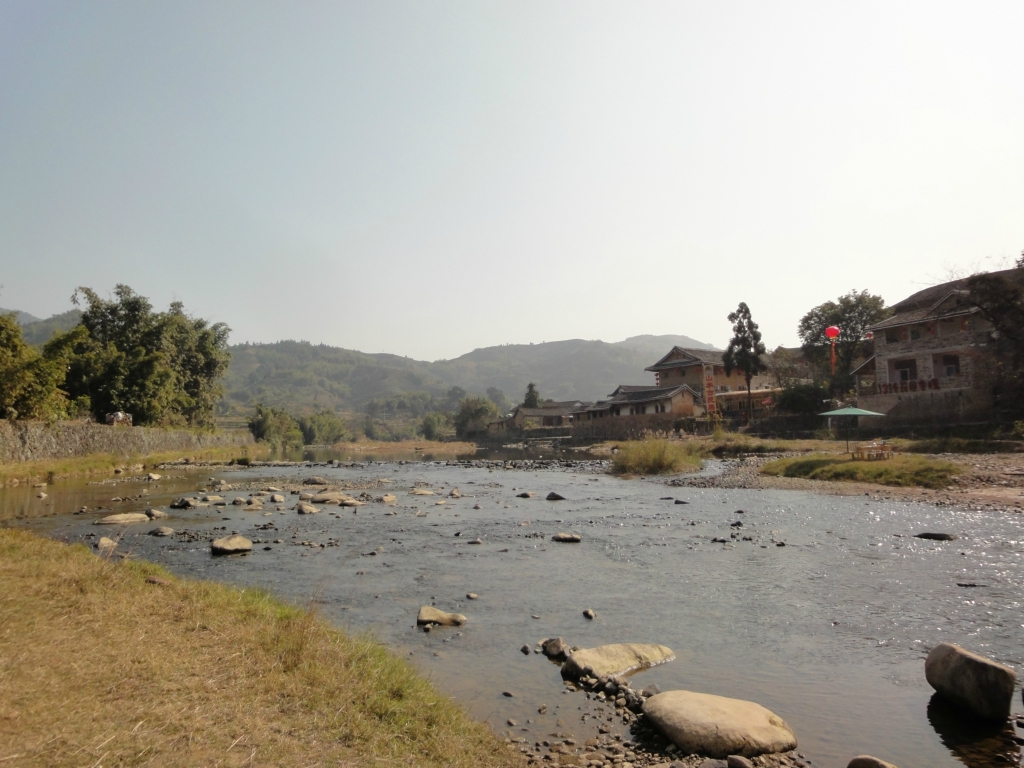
<point x="830" y="631"/>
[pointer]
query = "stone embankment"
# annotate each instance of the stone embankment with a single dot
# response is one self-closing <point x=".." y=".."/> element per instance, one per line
<point x="39" y="441"/>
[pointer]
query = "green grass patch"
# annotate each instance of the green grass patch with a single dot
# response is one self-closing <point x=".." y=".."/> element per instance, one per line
<point x="961" y="445"/>
<point x="906" y="471"/>
<point x="656" y="457"/>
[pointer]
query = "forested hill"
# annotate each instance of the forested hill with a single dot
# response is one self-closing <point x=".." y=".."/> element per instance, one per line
<point x="36" y="331"/>
<point x="304" y="377"/>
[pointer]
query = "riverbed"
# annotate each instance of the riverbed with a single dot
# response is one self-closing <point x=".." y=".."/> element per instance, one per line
<point x="821" y="608"/>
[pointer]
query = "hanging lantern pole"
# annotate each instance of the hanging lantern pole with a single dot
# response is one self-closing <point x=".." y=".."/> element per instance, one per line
<point x="833" y="332"/>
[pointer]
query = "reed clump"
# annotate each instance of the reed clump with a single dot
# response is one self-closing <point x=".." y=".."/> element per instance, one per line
<point x="112" y="662"/>
<point x="657" y="457"/>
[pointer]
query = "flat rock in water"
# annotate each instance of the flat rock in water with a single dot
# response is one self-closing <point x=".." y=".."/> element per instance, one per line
<point x="421" y="492"/>
<point x="613" y="660"/>
<point x="867" y="761"/>
<point x="162" y="531"/>
<point x="238" y="501"/>
<point x="230" y="545"/>
<point x="567" y="538"/>
<point x="555" y="497"/>
<point x="525" y="495"/>
<point x="456" y="493"/>
<point x="125" y="518"/>
<point x="389" y="498"/>
<point x="329" y="497"/>
<point x="718" y="726"/>
<point x="315" y="480"/>
<point x="184" y="503"/>
<point x="276" y="498"/>
<point x="430" y="615"/>
<point x="155" y="514"/>
<point x="972" y="682"/>
<point x="152" y="476"/>
<point x="305" y="509"/>
<point x="936" y="536"/>
<point x="105" y="545"/>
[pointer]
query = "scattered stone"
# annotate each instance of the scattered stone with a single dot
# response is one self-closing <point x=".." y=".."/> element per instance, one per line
<point x="526" y="495"/>
<point x="477" y="506"/>
<point x="184" y="503"/>
<point x="650" y="690"/>
<point x="936" y="536"/>
<point x="238" y="501"/>
<point x="155" y="514"/>
<point x="212" y="498"/>
<point x="421" y="492"/>
<point x="126" y="518"/>
<point x="162" y="531"/>
<point x="555" y="648"/>
<point x="680" y="501"/>
<point x="970" y="681"/>
<point x="455" y="494"/>
<point x="305" y="509"/>
<point x="475" y="541"/>
<point x="867" y="761"/>
<point x="589" y="614"/>
<point x="153" y="476"/>
<point x="555" y="497"/>
<point x="430" y="615"/>
<point x="614" y="660"/>
<point x="511" y="723"/>
<point x="712" y="763"/>
<point x="277" y="498"/>
<point x="718" y="726"/>
<point x="509" y="694"/>
<point x="525" y="650"/>
<point x="567" y="538"/>
<point x="472" y="596"/>
<point x="738" y="761"/>
<point x="230" y="545"/>
<point x="389" y="498"/>
<point x="315" y="480"/>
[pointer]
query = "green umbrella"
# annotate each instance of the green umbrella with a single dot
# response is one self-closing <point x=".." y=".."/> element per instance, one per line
<point x="850" y="412"/>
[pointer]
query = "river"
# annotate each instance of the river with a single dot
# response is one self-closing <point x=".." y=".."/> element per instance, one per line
<point x="830" y="631"/>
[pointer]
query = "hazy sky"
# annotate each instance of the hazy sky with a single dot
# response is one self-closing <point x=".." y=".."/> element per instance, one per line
<point x="424" y="178"/>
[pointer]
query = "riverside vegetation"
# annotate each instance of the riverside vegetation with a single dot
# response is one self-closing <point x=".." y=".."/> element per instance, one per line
<point x="119" y="662"/>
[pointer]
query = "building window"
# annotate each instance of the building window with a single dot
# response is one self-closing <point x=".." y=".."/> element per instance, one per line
<point x="906" y="370"/>
<point x="892" y="335"/>
<point x="915" y="333"/>
<point x="951" y="365"/>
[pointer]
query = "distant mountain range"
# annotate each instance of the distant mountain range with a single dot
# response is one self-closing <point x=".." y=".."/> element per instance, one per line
<point x="303" y="377"/>
<point x="37" y="331"/>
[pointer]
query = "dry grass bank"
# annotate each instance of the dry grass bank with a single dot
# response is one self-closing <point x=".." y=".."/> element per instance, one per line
<point x="100" y="667"/>
<point x="104" y="463"/>
<point x="906" y="471"/>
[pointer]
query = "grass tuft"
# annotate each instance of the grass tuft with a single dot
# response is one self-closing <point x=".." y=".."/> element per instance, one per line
<point x="99" y="666"/>
<point x="656" y="457"/>
<point x="907" y="471"/>
<point x="961" y="445"/>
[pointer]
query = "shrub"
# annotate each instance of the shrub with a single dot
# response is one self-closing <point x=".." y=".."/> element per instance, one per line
<point x="323" y="428"/>
<point x="276" y="427"/>
<point x="898" y="471"/>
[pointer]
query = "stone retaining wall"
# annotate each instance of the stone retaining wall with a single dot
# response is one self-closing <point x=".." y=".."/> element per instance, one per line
<point x="36" y="440"/>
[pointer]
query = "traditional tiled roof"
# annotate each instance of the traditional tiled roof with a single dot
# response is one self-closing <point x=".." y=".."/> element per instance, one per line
<point x="552" y="409"/>
<point x="950" y="299"/>
<point x="682" y="358"/>
<point x="632" y="394"/>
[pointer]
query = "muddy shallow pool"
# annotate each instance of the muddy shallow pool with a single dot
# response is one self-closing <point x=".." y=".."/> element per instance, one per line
<point x="830" y="630"/>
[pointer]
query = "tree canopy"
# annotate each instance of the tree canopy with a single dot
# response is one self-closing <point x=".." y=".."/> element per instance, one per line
<point x="853" y="314"/>
<point x="31" y="382"/>
<point x="745" y="349"/>
<point x="162" y="367"/>
<point x="532" y="397"/>
<point x="473" y="415"/>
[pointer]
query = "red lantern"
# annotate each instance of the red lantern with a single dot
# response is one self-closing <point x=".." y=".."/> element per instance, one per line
<point x="832" y="332"/>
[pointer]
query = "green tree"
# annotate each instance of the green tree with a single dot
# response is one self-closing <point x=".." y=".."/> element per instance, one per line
<point x="435" y="425"/>
<point x="473" y="415"/>
<point x="276" y="427"/>
<point x="532" y="397"/>
<point x="853" y="314"/>
<point x="30" y="382"/>
<point x="744" y="350"/>
<point x="999" y="298"/>
<point x="323" y="428"/>
<point x="497" y="397"/>
<point x="163" y="368"/>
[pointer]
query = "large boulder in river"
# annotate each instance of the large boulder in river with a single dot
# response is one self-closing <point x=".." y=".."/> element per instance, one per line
<point x="230" y="545"/>
<point x="614" y="660"/>
<point x="718" y="726"/>
<point x="867" y="761"/>
<point x="430" y="615"/>
<point x="972" y="682"/>
<point x="125" y="518"/>
<point x="305" y="509"/>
